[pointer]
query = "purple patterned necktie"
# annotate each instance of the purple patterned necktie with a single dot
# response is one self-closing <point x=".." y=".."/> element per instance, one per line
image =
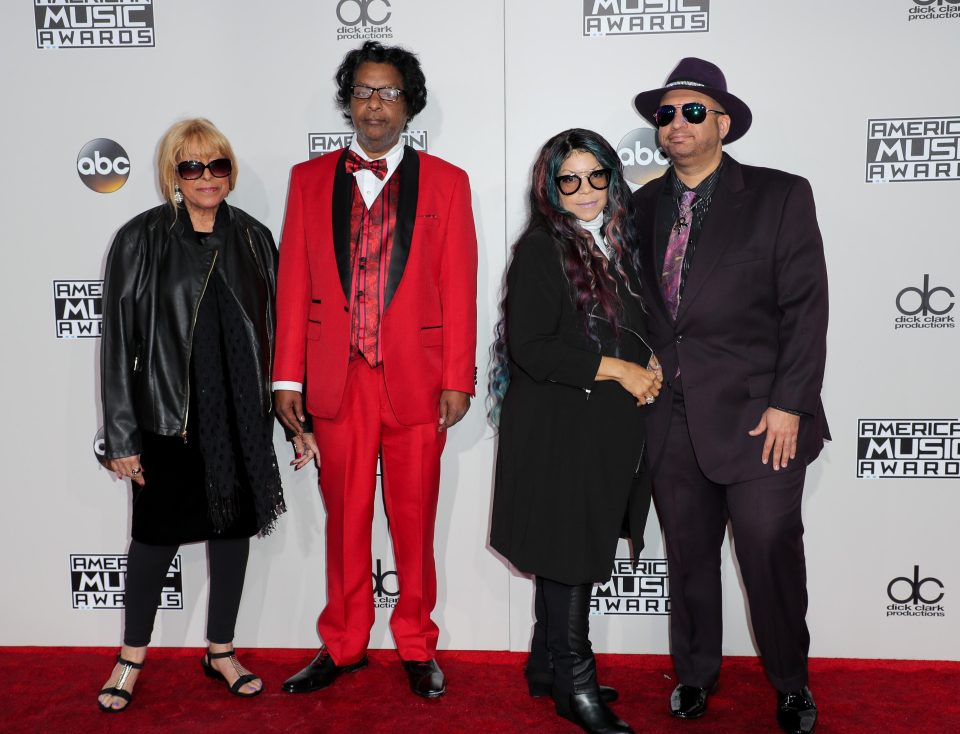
<point x="676" y="249"/>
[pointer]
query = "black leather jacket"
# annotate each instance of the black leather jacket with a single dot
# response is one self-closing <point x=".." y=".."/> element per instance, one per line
<point x="156" y="274"/>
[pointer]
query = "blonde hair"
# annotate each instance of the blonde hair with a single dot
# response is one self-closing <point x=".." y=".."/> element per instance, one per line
<point x="198" y="135"/>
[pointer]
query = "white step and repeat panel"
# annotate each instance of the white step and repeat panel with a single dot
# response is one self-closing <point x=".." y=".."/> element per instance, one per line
<point x="856" y="97"/>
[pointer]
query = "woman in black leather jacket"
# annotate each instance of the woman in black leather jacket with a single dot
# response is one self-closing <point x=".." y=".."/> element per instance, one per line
<point x="188" y="329"/>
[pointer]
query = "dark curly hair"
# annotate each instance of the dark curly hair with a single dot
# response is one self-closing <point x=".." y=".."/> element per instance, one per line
<point x="406" y="62"/>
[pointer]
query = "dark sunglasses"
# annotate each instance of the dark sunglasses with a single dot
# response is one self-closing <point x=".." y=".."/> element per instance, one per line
<point x="570" y="183"/>
<point x="192" y="170"/>
<point x="693" y="112"/>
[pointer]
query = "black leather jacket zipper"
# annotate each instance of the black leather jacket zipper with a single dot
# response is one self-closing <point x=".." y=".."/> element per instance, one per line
<point x="193" y="326"/>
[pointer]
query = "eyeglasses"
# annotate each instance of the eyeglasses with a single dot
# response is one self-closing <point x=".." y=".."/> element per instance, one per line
<point x="570" y="183"/>
<point x="192" y="170"/>
<point x="693" y="112"/>
<point x="387" y="94"/>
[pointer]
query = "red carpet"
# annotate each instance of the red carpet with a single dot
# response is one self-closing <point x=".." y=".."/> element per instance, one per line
<point x="54" y="690"/>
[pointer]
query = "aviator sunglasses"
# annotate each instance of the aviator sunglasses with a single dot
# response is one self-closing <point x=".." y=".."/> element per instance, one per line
<point x="570" y="183"/>
<point x="693" y="112"/>
<point x="192" y="170"/>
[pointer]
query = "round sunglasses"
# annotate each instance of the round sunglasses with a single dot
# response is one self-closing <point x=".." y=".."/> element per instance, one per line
<point x="570" y="183"/>
<point x="693" y="112"/>
<point x="192" y="170"/>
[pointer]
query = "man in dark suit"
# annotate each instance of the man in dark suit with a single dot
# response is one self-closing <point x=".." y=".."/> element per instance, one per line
<point x="376" y="311"/>
<point x="736" y="287"/>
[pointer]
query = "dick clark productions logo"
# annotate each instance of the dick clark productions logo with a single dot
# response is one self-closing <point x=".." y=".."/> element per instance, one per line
<point x="934" y="9"/>
<point x="925" y="307"/>
<point x="363" y="20"/>
<point x="915" y="596"/>
<point x="386" y="590"/>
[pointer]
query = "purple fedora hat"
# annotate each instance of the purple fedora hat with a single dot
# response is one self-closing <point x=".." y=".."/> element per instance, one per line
<point x="699" y="76"/>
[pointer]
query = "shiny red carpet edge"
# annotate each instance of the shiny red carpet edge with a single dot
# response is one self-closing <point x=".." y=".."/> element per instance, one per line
<point x="51" y="689"/>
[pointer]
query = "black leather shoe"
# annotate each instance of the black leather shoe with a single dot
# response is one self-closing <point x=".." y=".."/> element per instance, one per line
<point x="320" y="673"/>
<point x="591" y="714"/>
<point x="690" y="702"/>
<point x="796" y="711"/>
<point x="426" y="678"/>
<point x="540" y="684"/>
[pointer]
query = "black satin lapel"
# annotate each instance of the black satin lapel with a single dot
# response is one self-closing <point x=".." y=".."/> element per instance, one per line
<point x="719" y="230"/>
<point x="409" y="170"/>
<point x="343" y="185"/>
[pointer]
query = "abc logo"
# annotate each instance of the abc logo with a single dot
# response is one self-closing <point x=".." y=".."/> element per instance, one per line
<point x="103" y="165"/>
<point x="641" y="156"/>
<point x="363" y="12"/>
<point x="99" y="447"/>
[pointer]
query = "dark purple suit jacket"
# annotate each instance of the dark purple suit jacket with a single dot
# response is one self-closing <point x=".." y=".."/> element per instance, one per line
<point x="752" y="325"/>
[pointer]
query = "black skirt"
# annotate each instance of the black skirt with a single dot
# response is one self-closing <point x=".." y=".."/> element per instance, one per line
<point x="172" y="506"/>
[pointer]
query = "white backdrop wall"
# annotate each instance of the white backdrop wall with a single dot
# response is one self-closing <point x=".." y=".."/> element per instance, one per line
<point x="503" y="76"/>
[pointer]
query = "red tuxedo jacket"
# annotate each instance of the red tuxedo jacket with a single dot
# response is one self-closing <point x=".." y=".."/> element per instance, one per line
<point x="428" y="329"/>
<point x="751" y="330"/>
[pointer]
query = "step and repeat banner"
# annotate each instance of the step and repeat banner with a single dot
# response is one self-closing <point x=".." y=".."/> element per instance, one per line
<point x="860" y="98"/>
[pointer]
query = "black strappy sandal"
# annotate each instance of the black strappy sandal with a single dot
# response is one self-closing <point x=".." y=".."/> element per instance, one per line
<point x="118" y="689"/>
<point x="211" y="672"/>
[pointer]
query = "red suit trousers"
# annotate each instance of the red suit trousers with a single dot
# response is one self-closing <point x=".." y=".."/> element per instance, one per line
<point x="410" y="464"/>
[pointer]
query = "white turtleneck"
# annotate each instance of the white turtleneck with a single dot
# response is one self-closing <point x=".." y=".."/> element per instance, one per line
<point x="594" y="227"/>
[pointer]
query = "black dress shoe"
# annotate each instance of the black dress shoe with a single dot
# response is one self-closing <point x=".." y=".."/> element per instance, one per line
<point x="426" y="678"/>
<point x="320" y="673"/>
<point x="690" y="702"/>
<point x="796" y="711"/>
<point x="590" y="713"/>
<point x="540" y="684"/>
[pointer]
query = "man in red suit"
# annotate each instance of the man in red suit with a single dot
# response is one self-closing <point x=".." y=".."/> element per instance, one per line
<point x="736" y="289"/>
<point x="376" y="312"/>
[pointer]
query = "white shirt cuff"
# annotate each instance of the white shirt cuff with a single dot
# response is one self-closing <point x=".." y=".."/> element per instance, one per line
<point x="283" y="385"/>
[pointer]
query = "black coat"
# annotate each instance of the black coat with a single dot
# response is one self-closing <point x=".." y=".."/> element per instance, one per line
<point x="155" y="277"/>
<point x="569" y="475"/>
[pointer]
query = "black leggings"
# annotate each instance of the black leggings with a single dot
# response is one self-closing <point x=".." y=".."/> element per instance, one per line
<point x="147" y="570"/>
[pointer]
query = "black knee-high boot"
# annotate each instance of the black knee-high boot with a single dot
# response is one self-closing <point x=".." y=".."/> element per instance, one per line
<point x="575" y="688"/>
<point x="539" y="668"/>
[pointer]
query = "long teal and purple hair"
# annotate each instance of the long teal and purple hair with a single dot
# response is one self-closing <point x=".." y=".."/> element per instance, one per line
<point x="591" y="284"/>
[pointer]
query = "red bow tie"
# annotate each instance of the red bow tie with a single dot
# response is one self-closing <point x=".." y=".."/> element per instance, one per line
<point x="355" y="163"/>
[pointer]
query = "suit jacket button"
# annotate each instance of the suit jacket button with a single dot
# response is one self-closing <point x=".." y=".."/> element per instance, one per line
<point x="346" y="309"/>
<point x="679" y="338"/>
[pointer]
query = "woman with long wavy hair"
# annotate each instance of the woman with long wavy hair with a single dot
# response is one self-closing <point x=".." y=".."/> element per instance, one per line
<point x="571" y="374"/>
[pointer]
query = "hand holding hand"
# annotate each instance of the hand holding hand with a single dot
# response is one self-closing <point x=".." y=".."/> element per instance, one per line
<point x="289" y="407"/>
<point x="644" y="384"/>
<point x="305" y="450"/>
